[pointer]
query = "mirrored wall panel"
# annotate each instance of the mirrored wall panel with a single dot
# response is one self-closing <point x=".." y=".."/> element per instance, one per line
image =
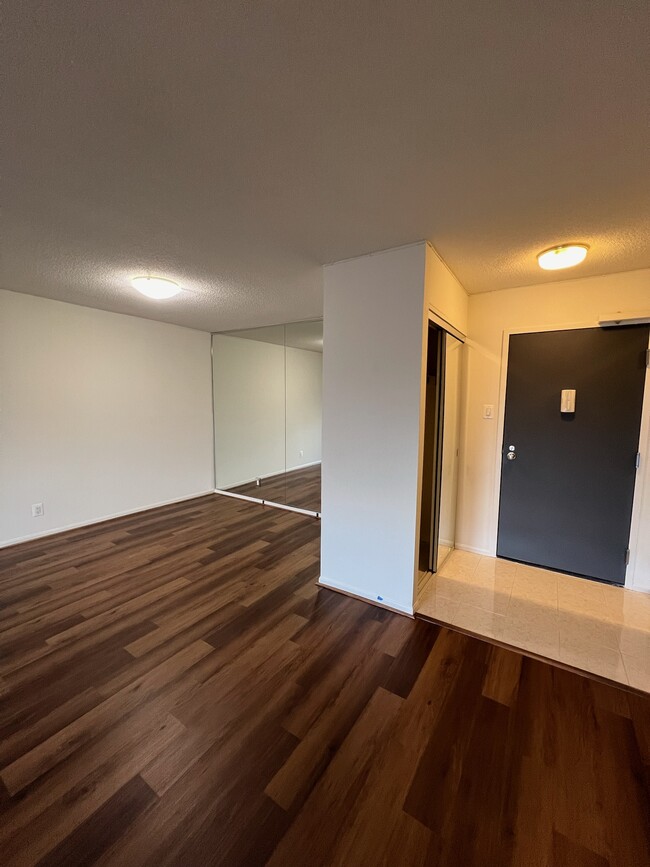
<point x="268" y="413"/>
<point x="441" y="444"/>
<point x="304" y="413"/>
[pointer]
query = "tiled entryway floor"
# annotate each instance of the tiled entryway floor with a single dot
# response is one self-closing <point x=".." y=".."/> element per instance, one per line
<point x="594" y="627"/>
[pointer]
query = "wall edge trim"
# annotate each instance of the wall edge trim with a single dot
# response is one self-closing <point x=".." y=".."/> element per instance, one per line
<point x="356" y="593"/>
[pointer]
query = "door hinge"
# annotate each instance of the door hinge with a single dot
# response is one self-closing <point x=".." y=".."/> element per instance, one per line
<point x="627" y="556"/>
<point x="647" y="358"/>
<point x="637" y="460"/>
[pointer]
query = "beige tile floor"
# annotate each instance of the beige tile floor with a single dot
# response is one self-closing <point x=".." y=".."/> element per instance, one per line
<point x="594" y="627"/>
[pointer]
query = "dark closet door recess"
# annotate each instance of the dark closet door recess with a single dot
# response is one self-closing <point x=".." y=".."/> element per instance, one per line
<point x="567" y="478"/>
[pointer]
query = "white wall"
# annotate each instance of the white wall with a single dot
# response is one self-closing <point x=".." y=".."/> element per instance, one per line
<point x="445" y="297"/>
<point x="376" y="311"/>
<point x="304" y="391"/>
<point x="100" y="414"/>
<point x="568" y="303"/>
<point x="265" y="402"/>
<point x="444" y="294"/>
<point x="371" y="416"/>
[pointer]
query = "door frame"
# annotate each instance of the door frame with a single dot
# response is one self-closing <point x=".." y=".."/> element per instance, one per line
<point x="431" y="314"/>
<point x="644" y="440"/>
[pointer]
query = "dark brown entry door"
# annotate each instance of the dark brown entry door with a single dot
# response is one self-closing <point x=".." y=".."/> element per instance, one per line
<point x="567" y="478"/>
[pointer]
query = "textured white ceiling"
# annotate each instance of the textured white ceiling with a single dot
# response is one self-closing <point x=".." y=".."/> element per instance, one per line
<point x="237" y="146"/>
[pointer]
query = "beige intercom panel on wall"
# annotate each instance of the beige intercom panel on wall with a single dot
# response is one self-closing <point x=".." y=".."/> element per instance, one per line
<point x="568" y="400"/>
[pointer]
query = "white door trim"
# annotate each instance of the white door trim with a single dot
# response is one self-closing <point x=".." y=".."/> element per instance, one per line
<point x="642" y="481"/>
<point x="434" y="316"/>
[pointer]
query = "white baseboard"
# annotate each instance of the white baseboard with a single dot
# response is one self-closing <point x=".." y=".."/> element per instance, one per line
<point x="483" y="551"/>
<point x="261" y="502"/>
<point x="358" y="593"/>
<point x="101" y="520"/>
<point x="248" y="499"/>
<point x="250" y="481"/>
<point x="303" y="466"/>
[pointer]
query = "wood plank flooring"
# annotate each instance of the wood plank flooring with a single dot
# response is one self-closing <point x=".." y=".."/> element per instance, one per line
<point x="177" y="691"/>
<point x="300" y="488"/>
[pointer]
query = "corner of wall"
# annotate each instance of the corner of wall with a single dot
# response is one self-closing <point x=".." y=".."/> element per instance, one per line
<point x="443" y="292"/>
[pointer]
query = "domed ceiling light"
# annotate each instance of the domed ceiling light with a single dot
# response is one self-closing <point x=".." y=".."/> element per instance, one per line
<point x="562" y="256"/>
<point x="156" y="287"/>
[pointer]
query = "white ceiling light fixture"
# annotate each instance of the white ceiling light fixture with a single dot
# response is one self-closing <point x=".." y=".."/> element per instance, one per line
<point x="562" y="256"/>
<point x="156" y="287"/>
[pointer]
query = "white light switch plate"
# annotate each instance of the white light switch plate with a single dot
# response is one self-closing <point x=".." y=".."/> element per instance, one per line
<point x="488" y="410"/>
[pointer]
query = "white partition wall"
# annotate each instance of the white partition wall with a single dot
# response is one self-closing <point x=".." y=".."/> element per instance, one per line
<point x="375" y="310"/>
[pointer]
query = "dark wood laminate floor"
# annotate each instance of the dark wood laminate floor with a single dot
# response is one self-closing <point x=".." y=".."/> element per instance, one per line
<point x="175" y="690"/>
<point x="300" y="488"/>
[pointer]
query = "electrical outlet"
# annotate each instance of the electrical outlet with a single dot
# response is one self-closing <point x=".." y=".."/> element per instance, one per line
<point x="37" y="510"/>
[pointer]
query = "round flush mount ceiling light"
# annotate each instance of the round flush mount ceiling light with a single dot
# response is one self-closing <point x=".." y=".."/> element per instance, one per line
<point x="562" y="256"/>
<point x="156" y="287"/>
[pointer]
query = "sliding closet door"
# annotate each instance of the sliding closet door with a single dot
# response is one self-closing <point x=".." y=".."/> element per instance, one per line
<point x="450" y="448"/>
<point x="432" y="454"/>
<point x="440" y="450"/>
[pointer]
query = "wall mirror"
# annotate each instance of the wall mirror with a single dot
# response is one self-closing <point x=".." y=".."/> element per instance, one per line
<point x="268" y="413"/>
